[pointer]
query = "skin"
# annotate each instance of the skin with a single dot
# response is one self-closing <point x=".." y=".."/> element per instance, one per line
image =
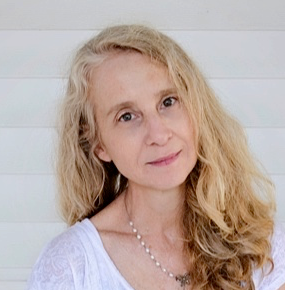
<point x="147" y="133"/>
<point x="137" y="108"/>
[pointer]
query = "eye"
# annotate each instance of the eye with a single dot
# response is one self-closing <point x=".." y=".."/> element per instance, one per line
<point x="169" y="101"/>
<point x="126" y="117"/>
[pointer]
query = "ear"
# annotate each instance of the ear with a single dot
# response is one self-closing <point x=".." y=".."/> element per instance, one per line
<point x="102" y="153"/>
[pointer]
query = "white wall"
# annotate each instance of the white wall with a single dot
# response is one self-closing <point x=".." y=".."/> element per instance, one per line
<point x="238" y="44"/>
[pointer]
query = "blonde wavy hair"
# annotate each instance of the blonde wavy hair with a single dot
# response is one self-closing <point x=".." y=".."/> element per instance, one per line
<point x="228" y="209"/>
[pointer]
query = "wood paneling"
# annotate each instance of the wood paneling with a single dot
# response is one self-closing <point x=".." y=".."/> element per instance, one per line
<point x="190" y="14"/>
<point x="268" y="145"/>
<point x="220" y="54"/>
<point x="29" y="102"/>
<point x="14" y="274"/>
<point x="28" y="198"/>
<point x="27" y="150"/>
<point x="13" y="285"/>
<point x="22" y="242"/>
<point x="239" y="45"/>
<point x="279" y="181"/>
<point x="255" y="102"/>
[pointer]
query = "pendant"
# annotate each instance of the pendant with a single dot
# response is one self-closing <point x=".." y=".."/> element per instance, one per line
<point x="183" y="279"/>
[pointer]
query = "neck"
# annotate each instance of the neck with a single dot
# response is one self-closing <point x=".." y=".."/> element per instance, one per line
<point x="155" y="220"/>
<point x="155" y="212"/>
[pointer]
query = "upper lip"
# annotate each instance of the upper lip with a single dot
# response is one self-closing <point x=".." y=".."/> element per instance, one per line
<point x="169" y="156"/>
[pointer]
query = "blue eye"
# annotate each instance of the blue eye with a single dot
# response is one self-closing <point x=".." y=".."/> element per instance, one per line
<point x="168" y="102"/>
<point x="126" y="117"/>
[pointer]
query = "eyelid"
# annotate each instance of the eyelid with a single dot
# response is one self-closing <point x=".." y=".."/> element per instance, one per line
<point x="122" y="113"/>
<point x="171" y="96"/>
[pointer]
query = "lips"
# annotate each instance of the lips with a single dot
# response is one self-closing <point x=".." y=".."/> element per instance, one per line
<point x="165" y="160"/>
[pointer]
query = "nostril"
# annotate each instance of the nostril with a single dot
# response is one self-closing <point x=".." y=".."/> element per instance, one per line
<point x="158" y="133"/>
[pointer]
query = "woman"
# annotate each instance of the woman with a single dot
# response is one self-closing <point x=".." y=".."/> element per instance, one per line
<point x="156" y="179"/>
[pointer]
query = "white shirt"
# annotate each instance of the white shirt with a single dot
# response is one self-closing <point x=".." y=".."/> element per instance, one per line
<point x="77" y="260"/>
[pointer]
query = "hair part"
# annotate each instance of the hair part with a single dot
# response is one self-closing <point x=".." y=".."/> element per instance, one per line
<point x="223" y="242"/>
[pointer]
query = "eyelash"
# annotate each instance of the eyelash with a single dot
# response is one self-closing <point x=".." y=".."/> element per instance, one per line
<point x="120" y="119"/>
<point x="174" y="100"/>
<point x="132" y="115"/>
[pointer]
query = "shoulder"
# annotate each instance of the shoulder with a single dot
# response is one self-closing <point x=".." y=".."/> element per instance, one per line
<point x="110" y="218"/>
<point x="276" y="278"/>
<point x="278" y="252"/>
<point x="64" y="261"/>
<point x="278" y="238"/>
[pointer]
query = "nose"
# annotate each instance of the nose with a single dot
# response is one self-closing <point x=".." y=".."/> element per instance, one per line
<point x="158" y="131"/>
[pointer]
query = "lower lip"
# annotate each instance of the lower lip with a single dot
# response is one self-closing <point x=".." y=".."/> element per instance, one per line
<point x="165" y="161"/>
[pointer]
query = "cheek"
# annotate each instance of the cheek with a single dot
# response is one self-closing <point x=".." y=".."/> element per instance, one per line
<point x="127" y="154"/>
<point x="120" y="150"/>
<point x="184" y="125"/>
<point x="190" y="138"/>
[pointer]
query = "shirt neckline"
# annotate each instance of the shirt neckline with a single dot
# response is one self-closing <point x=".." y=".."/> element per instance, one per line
<point x="94" y="234"/>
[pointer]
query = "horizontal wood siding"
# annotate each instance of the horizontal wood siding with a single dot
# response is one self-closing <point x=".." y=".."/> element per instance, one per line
<point x="220" y="54"/>
<point x="239" y="46"/>
<point x="166" y="14"/>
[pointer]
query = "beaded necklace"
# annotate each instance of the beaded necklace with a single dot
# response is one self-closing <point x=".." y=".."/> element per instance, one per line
<point x="182" y="279"/>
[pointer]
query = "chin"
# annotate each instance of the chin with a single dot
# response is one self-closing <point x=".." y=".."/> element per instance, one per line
<point x="167" y="184"/>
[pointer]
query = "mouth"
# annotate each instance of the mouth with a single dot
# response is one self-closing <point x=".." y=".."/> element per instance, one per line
<point x="165" y="160"/>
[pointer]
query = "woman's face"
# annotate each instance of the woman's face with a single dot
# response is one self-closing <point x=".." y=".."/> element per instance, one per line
<point x="144" y="128"/>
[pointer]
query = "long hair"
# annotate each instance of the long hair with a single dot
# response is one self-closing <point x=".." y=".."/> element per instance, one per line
<point x="228" y="210"/>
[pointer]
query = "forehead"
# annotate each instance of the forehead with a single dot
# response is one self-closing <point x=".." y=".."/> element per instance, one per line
<point x="128" y="73"/>
<point x="119" y="63"/>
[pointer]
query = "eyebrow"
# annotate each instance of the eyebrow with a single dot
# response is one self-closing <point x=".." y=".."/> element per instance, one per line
<point x="122" y="105"/>
<point x="166" y="92"/>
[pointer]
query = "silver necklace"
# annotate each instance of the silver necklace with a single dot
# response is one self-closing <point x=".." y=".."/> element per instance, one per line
<point x="182" y="279"/>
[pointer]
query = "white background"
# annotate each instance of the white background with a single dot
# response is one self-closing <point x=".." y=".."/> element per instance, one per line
<point x="239" y="46"/>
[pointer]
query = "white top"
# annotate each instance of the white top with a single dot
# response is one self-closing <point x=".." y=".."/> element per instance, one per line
<point x="77" y="260"/>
